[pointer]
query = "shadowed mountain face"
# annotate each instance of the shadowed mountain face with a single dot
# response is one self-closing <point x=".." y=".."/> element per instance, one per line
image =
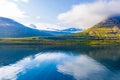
<point x="10" y="28"/>
<point x="110" y="22"/>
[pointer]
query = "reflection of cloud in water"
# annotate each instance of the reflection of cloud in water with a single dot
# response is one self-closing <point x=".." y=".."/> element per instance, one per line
<point x="83" y="67"/>
<point x="80" y="67"/>
<point x="10" y="72"/>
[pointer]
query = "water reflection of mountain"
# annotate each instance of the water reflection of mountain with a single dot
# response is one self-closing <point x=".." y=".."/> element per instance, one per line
<point x="108" y="56"/>
<point x="11" y="53"/>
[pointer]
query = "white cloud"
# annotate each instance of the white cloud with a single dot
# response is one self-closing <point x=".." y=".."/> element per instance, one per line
<point x="10" y="72"/>
<point x="49" y="26"/>
<point x="88" y="14"/>
<point x="83" y="67"/>
<point x="11" y="10"/>
<point x="38" y="17"/>
<point x="25" y="1"/>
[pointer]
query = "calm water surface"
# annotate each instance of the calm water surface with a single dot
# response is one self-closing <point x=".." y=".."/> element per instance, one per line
<point x="59" y="63"/>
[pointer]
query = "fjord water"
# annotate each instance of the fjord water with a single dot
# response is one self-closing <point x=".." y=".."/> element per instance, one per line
<point x="50" y="62"/>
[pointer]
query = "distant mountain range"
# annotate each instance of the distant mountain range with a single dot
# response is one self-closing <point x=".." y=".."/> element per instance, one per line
<point x="12" y="29"/>
<point x="65" y="31"/>
<point x="72" y="30"/>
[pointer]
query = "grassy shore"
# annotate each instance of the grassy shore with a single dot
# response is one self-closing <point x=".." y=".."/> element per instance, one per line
<point x="56" y="41"/>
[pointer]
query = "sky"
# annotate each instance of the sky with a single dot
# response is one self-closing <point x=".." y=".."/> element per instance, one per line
<point x="59" y="14"/>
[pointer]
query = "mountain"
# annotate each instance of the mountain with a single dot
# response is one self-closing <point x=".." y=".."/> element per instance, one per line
<point x="12" y="29"/>
<point x="106" y="29"/>
<point x="67" y="31"/>
<point x="58" y="32"/>
<point x="110" y="22"/>
<point x="72" y="30"/>
<point x="32" y="26"/>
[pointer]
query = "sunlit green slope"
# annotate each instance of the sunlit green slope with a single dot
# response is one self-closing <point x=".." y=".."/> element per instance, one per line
<point x="108" y="29"/>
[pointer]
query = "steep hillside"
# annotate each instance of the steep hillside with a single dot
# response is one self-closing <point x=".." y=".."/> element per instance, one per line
<point x="107" y="29"/>
<point x="12" y="29"/>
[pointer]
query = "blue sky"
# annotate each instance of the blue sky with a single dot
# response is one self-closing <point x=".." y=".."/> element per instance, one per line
<point x="59" y="14"/>
<point x="48" y="10"/>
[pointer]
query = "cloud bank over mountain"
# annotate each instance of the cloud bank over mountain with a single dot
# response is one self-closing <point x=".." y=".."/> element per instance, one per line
<point x="88" y="14"/>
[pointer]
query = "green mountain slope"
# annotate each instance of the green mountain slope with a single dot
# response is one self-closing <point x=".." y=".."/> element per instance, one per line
<point x="108" y="29"/>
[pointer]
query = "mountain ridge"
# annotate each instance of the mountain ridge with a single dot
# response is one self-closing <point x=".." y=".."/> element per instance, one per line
<point x="107" y="29"/>
<point x="12" y="29"/>
<point x="110" y="22"/>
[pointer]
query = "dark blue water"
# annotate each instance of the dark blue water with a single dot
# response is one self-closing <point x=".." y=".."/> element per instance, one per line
<point x="59" y="63"/>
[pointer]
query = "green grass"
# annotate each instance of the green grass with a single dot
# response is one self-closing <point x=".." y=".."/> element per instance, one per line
<point x="51" y="41"/>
